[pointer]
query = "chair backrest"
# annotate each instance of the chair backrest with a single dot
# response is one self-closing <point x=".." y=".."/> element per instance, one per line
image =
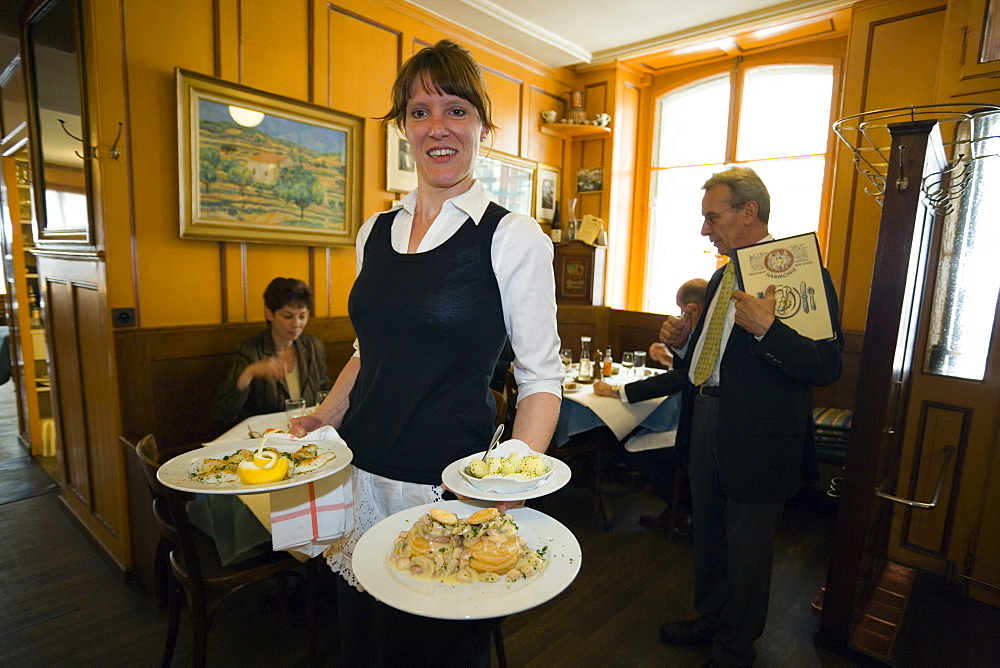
<point x="169" y="509"/>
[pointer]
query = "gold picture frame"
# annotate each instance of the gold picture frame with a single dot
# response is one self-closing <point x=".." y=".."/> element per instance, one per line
<point x="546" y="192"/>
<point x="258" y="167"/>
<point x="509" y="179"/>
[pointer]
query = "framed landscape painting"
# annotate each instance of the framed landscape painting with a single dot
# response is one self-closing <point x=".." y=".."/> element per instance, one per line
<point x="263" y="168"/>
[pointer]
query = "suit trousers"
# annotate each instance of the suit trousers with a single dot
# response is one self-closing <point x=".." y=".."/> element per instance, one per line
<point x="733" y="548"/>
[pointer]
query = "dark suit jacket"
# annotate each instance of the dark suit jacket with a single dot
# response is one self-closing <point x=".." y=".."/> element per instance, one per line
<point x="765" y="426"/>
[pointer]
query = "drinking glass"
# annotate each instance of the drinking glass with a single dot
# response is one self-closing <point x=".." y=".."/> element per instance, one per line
<point x="628" y="361"/>
<point x="566" y="355"/>
<point x="640" y="363"/>
<point x="295" y="408"/>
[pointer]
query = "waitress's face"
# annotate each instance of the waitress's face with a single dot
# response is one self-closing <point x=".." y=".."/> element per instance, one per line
<point x="444" y="132"/>
<point x="288" y="321"/>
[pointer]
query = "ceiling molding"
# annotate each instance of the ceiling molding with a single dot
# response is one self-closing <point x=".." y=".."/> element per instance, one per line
<point x="789" y="11"/>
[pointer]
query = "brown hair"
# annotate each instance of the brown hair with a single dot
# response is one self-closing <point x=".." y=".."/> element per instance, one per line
<point x="446" y="68"/>
<point x="287" y="292"/>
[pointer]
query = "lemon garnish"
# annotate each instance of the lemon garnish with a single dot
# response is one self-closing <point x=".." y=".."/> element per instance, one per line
<point x="266" y="466"/>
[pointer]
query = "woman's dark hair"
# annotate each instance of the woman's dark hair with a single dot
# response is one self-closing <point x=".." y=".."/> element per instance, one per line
<point x="287" y="292"/>
<point x="445" y="68"/>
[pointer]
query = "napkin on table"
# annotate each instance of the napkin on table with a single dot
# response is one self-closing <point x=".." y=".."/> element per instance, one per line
<point x="308" y="518"/>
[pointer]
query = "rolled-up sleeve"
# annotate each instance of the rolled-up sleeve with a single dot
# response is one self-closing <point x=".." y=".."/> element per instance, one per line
<point x="522" y="262"/>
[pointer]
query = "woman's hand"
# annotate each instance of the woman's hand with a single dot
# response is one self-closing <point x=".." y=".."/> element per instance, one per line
<point x="271" y="367"/>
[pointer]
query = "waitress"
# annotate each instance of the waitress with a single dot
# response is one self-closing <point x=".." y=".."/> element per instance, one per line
<point x="444" y="278"/>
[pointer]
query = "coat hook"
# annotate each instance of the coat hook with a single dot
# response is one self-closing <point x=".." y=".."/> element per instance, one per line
<point x="89" y="150"/>
<point x="901" y="181"/>
<point x="114" y="152"/>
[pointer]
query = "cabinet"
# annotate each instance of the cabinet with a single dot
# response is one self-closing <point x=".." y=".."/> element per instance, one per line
<point x="579" y="271"/>
<point x="970" y="58"/>
<point x="573" y="130"/>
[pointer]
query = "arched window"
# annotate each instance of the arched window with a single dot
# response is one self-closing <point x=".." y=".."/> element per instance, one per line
<point x="779" y="126"/>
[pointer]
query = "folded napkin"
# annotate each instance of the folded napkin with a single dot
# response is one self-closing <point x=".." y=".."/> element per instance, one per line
<point x="308" y="518"/>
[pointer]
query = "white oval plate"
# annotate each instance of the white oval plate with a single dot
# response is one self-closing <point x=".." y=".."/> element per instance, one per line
<point x="453" y="480"/>
<point x="477" y="600"/>
<point x="176" y="473"/>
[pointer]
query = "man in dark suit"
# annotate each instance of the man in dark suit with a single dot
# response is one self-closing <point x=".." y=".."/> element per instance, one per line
<point x="747" y="421"/>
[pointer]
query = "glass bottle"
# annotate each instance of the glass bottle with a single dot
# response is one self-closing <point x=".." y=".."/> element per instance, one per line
<point x="571" y="221"/>
<point x="556" y="232"/>
<point x="586" y="365"/>
<point x="608" y="365"/>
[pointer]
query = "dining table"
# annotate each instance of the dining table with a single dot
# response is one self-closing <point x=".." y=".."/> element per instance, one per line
<point x="583" y="410"/>
<point x="612" y="424"/>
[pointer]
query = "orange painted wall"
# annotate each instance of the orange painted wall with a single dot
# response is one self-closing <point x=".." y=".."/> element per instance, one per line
<point x="343" y="55"/>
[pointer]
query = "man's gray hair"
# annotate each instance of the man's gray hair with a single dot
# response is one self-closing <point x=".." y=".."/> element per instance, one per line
<point x="745" y="186"/>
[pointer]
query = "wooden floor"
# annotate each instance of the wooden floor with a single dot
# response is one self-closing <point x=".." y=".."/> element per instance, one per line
<point x="64" y="604"/>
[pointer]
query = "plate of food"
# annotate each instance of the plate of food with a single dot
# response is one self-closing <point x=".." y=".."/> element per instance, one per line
<point x="276" y="461"/>
<point x="516" y="561"/>
<point x="513" y="472"/>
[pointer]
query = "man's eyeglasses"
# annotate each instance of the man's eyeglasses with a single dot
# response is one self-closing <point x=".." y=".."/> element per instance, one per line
<point x="713" y="216"/>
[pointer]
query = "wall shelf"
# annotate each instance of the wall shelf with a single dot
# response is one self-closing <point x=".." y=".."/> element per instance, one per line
<point x="573" y="130"/>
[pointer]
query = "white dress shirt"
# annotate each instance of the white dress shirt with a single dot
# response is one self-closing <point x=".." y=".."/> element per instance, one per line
<point x="522" y="262"/>
<point x="727" y="328"/>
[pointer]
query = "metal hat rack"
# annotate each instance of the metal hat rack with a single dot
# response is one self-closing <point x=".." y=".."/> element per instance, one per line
<point x="964" y="139"/>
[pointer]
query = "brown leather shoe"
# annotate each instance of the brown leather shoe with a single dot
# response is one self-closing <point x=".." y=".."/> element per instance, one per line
<point x="688" y="633"/>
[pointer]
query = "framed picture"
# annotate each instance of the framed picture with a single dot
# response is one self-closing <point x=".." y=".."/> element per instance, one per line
<point x="546" y="192"/>
<point x="400" y="169"/>
<point x="262" y="168"/>
<point x="590" y="180"/>
<point x="508" y="179"/>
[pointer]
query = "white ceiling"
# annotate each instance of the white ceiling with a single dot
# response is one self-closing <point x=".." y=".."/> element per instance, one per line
<point x="577" y="32"/>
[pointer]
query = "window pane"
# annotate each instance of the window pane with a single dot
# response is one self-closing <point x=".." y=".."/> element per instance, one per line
<point x="968" y="279"/>
<point x="691" y="124"/>
<point x="785" y="111"/>
<point x="676" y="250"/>
<point x="796" y="189"/>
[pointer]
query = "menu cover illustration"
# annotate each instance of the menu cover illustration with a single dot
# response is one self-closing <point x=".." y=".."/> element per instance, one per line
<point x="794" y="266"/>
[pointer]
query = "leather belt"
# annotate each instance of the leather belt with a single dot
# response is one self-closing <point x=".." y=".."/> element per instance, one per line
<point x="708" y="390"/>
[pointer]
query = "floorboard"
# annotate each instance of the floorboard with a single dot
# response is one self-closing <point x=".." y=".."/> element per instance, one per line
<point x="64" y="604"/>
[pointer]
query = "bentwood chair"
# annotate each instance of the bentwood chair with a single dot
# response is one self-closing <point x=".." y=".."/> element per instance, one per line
<point x="196" y="572"/>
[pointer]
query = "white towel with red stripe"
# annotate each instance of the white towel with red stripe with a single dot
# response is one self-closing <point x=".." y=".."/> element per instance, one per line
<point x="308" y="518"/>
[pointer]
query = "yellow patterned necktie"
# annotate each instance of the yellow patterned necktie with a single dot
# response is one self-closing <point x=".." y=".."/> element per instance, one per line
<point x="713" y="336"/>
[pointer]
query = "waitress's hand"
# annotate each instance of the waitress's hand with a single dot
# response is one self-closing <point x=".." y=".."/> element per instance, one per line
<point x="504" y="506"/>
<point x="300" y="426"/>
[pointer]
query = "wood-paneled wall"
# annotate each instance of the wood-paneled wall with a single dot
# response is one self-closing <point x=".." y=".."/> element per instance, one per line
<point x="343" y="55"/>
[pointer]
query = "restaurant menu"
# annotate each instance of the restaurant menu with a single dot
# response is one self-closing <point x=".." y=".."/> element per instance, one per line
<point x="794" y="266"/>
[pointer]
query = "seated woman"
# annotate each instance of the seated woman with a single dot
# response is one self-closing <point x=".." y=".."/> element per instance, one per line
<point x="276" y="364"/>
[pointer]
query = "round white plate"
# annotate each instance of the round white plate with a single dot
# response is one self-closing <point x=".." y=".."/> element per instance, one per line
<point x="454" y="481"/>
<point x="176" y="473"/>
<point x="570" y="390"/>
<point x="477" y="600"/>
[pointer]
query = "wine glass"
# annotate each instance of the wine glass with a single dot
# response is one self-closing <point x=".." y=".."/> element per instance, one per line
<point x="640" y="363"/>
<point x="628" y="361"/>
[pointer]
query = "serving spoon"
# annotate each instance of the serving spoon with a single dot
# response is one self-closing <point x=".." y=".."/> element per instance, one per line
<point x="496" y="439"/>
